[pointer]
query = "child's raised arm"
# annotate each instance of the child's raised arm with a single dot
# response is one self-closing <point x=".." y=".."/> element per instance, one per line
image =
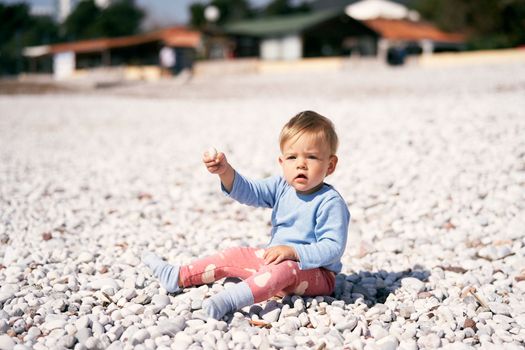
<point x="257" y="193"/>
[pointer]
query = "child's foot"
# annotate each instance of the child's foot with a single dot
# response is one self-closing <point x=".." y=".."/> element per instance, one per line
<point x="229" y="300"/>
<point x="167" y="274"/>
<point x="212" y="309"/>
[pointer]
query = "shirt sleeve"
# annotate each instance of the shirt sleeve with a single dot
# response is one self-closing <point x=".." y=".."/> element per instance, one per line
<point x="331" y="231"/>
<point x="256" y="193"/>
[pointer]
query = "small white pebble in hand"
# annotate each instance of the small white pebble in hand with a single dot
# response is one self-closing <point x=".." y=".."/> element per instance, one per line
<point x="212" y="152"/>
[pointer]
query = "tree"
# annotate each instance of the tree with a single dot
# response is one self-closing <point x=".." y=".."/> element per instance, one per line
<point x="78" y="25"/>
<point x="232" y="10"/>
<point x="43" y="31"/>
<point x="18" y="30"/>
<point x="197" y="18"/>
<point x="488" y="23"/>
<point x="229" y="11"/>
<point x="120" y="18"/>
<point x="88" y="21"/>
<point x="235" y="10"/>
<point x="13" y="17"/>
<point x="284" y="7"/>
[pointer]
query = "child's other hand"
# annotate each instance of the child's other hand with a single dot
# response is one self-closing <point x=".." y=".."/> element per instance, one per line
<point x="275" y="255"/>
<point x="217" y="165"/>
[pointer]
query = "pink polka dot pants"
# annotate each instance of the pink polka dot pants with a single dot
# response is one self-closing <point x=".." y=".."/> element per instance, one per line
<point x="264" y="281"/>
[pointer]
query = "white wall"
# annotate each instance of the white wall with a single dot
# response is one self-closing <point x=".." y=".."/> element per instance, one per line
<point x="63" y="65"/>
<point x="291" y="47"/>
<point x="284" y="48"/>
<point x="270" y="49"/>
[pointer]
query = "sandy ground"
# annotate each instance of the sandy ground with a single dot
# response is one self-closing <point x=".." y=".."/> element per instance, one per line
<point x="432" y="165"/>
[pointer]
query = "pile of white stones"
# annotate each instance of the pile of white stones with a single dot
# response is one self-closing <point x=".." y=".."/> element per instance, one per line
<point x="432" y="165"/>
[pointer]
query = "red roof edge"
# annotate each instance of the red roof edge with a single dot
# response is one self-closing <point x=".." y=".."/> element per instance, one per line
<point x="174" y="36"/>
<point x="408" y="30"/>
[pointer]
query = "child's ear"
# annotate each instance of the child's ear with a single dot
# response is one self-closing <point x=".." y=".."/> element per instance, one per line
<point x="280" y="160"/>
<point x="332" y="164"/>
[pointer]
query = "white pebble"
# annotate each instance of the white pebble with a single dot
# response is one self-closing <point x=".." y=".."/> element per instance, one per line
<point x="212" y="152"/>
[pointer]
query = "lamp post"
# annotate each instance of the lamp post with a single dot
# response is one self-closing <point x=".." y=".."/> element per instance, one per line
<point x="212" y="15"/>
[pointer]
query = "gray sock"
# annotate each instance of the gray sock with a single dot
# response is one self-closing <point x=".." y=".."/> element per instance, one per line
<point x="229" y="300"/>
<point x="167" y="274"/>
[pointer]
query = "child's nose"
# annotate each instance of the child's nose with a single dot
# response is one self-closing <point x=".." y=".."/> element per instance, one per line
<point x="301" y="163"/>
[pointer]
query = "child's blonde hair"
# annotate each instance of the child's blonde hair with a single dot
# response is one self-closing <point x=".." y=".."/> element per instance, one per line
<point x="313" y="123"/>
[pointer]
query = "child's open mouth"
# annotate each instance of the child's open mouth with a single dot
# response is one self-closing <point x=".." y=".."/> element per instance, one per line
<point x="301" y="176"/>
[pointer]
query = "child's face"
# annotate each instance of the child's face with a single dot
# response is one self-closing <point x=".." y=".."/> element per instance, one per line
<point x="306" y="161"/>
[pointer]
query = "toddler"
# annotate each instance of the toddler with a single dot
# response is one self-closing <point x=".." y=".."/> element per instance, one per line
<point x="309" y="225"/>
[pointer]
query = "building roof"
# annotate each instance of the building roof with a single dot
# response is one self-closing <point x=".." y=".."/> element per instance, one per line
<point x="279" y="25"/>
<point x="408" y="30"/>
<point x="174" y="36"/>
<point x="180" y="37"/>
<point x="394" y="29"/>
<point x="319" y="5"/>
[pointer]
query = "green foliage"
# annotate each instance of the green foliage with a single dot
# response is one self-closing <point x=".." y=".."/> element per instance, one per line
<point x="13" y="17"/>
<point x="232" y="10"/>
<point x="197" y="19"/>
<point x="43" y="31"/>
<point x="235" y="10"/>
<point x="489" y="24"/>
<point x="88" y="21"/>
<point x="229" y="11"/>
<point x="121" y="18"/>
<point x="18" y="30"/>
<point x="278" y="7"/>
<point x="79" y="23"/>
<point x="284" y="7"/>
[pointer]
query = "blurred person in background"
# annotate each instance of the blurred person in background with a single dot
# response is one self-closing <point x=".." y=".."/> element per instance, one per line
<point x="167" y="61"/>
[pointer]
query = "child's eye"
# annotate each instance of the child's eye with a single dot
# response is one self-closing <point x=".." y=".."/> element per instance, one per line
<point x="312" y="157"/>
<point x="291" y="157"/>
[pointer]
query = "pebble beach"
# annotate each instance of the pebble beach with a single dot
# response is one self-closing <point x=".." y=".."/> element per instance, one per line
<point x="431" y="164"/>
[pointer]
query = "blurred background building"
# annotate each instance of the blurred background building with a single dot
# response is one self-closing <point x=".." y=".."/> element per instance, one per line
<point x="74" y="36"/>
<point x="363" y="28"/>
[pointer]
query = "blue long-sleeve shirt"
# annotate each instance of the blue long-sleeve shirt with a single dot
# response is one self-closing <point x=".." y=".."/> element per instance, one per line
<point x="315" y="225"/>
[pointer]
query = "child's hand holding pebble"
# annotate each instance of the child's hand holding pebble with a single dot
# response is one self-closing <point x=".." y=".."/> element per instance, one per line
<point x="212" y="153"/>
<point x="215" y="161"/>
